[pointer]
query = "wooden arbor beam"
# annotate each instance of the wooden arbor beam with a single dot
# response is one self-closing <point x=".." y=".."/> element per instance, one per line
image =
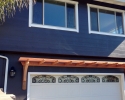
<point x="26" y="62"/>
<point x="25" y="69"/>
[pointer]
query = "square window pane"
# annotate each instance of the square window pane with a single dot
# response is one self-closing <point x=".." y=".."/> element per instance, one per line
<point x="94" y="19"/>
<point x="71" y="16"/>
<point x="54" y="13"/>
<point x="107" y="21"/>
<point x="119" y="22"/>
<point x="38" y="12"/>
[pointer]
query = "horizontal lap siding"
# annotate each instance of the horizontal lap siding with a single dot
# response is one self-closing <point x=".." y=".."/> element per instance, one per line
<point x="15" y="35"/>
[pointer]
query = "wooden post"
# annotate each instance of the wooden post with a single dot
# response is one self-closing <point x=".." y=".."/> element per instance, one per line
<point x="25" y="68"/>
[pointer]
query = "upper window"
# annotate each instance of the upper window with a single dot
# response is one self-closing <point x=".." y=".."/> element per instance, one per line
<point x="54" y="14"/>
<point x="103" y="20"/>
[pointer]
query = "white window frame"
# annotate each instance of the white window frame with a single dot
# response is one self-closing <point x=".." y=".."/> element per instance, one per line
<point x="105" y="8"/>
<point x="31" y="24"/>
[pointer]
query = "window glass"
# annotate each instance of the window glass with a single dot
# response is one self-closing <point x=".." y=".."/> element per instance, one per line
<point x="71" y="16"/>
<point x="54" y="13"/>
<point x="119" y="22"/>
<point x="38" y="12"/>
<point x="94" y="19"/>
<point x="107" y="21"/>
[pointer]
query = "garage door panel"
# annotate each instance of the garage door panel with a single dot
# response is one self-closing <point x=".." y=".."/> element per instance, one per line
<point x="64" y="91"/>
<point x="79" y="98"/>
<point x="75" y="91"/>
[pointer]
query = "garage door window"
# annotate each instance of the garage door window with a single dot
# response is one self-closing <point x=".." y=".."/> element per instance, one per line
<point x="110" y="78"/>
<point x="44" y="79"/>
<point x="90" y="79"/>
<point x="68" y="79"/>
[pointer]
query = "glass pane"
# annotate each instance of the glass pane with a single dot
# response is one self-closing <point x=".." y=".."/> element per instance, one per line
<point x="38" y="12"/>
<point x="54" y="13"/>
<point x="71" y="16"/>
<point x="94" y="19"/>
<point x="90" y="79"/>
<point x="44" y="79"/>
<point x="107" y="21"/>
<point x="68" y="79"/>
<point x="119" y="20"/>
<point x="110" y="78"/>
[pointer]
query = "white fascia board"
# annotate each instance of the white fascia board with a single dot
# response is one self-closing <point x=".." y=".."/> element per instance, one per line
<point x="117" y="2"/>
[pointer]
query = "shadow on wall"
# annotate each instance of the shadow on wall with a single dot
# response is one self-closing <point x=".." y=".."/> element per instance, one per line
<point x="119" y="51"/>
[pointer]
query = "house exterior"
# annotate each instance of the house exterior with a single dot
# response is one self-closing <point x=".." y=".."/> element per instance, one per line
<point x="64" y="50"/>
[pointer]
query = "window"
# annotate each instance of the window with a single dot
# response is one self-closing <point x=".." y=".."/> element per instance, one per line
<point x="44" y="79"/>
<point x="106" y="21"/>
<point x="68" y="79"/>
<point x="54" y="14"/>
<point x="110" y="78"/>
<point x="90" y="79"/>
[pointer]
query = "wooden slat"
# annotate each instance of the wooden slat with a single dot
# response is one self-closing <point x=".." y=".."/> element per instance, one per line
<point x="68" y="63"/>
<point x="81" y="63"/>
<point x="41" y="62"/>
<point x="54" y="63"/>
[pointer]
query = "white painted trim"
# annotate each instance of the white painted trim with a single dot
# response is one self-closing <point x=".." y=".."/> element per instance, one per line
<point x="116" y="2"/>
<point x="103" y="33"/>
<point x="57" y="73"/>
<point x="89" y="21"/>
<point x="68" y="1"/>
<point x="6" y="72"/>
<point x="28" y="87"/>
<point x="31" y="24"/>
<point x="43" y="12"/>
<point x="122" y="86"/>
<point x="77" y="17"/>
<point x="30" y="13"/>
<point x="106" y="8"/>
<point x="53" y="27"/>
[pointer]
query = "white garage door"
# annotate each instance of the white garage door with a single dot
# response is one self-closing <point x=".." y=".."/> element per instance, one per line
<point x="74" y="87"/>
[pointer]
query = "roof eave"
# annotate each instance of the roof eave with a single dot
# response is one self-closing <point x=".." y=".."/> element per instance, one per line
<point x="117" y="2"/>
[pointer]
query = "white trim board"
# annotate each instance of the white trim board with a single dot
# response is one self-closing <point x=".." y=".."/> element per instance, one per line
<point x="47" y="73"/>
<point x="105" y="8"/>
<point x="116" y="2"/>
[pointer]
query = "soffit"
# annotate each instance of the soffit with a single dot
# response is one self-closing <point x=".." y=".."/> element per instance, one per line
<point x="117" y="2"/>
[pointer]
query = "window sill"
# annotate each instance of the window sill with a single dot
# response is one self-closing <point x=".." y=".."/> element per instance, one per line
<point x="109" y="34"/>
<point x="53" y="27"/>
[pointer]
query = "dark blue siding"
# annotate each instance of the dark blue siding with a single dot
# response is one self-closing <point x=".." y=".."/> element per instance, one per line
<point x="15" y="35"/>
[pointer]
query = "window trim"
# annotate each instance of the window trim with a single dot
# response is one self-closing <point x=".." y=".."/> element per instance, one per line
<point x="31" y="24"/>
<point x="105" y="8"/>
